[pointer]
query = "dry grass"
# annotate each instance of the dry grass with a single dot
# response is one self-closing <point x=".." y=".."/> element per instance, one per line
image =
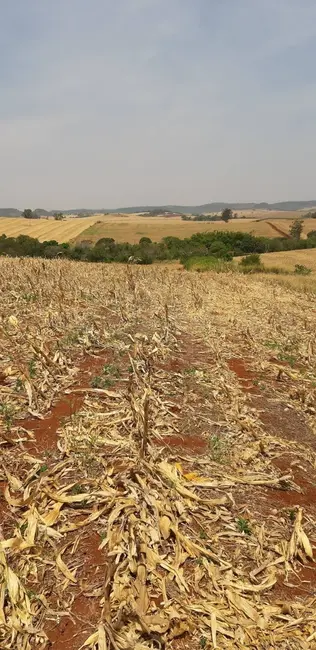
<point x="285" y="224"/>
<point x="131" y="229"/>
<point x="200" y="525"/>
<point x="270" y="214"/>
<point x="288" y="259"/>
<point x="45" y="229"/>
<point x="301" y="283"/>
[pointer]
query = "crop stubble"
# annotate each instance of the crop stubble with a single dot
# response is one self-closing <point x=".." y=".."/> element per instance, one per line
<point x="168" y="507"/>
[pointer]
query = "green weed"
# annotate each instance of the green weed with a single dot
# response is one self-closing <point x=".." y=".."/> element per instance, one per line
<point x="109" y="369"/>
<point x="19" y="385"/>
<point x="288" y="358"/>
<point x="32" y="368"/>
<point x="272" y="345"/>
<point x="292" y="514"/>
<point x="77" y="489"/>
<point x="7" y="411"/>
<point x="217" y="448"/>
<point x="190" y="371"/>
<point x="100" y="382"/>
<point x="243" y="526"/>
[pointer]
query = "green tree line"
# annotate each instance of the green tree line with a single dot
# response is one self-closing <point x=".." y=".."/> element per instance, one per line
<point x="223" y="244"/>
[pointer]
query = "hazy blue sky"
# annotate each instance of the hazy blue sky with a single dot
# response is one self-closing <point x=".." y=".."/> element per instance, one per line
<point x="112" y="103"/>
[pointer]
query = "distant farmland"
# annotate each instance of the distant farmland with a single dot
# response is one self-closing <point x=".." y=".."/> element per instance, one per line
<point x="130" y="228"/>
<point x="44" y="229"/>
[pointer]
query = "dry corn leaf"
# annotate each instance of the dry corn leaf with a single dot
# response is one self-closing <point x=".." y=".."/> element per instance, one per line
<point x="14" y="482"/>
<point x="164" y="525"/>
<point x="52" y="516"/>
<point x="64" y="569"/>
<point x="242" y="605"/>
<point x="214" y="629"/>
<point x="142" y="600"/>
<point x="156" y="623"/>
<point x="91" y="642"/>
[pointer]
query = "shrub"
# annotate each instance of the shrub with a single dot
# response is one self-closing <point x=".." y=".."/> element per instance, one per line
<point x="105" y="241"/>
<point x="300" y="269"/>
<point x="219" y="249"/>
<point x="251" y="260"/>
<point x="146" y="259"/>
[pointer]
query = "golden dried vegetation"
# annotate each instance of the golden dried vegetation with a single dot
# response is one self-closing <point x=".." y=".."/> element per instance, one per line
<point x="45" y="229"/>
<point x="158" y="464"/>
<point x="130" y="228"/>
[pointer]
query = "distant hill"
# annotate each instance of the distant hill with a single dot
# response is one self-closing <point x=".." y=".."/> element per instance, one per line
<point x="184" y="209"/>
<point x="9" y="212"/>
<point x="206" y="207"/>
<point x="41" y="212"/>
<point x="218" y="207"/>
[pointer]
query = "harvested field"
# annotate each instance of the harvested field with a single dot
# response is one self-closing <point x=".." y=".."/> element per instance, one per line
<point x="288" y="259"/>
<point x="45" y="229"/>
<point x="158" y="459"/>
<point x="272" y="214"/>
<point x="131" y="229"/>
<point x="284" y="225"/>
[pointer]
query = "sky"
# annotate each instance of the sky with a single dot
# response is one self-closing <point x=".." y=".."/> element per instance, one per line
<point x="146" y="102"/>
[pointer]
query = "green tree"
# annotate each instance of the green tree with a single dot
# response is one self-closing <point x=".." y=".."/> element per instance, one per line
<point x="145" y="240"/>
<point x="227" y="214"/>
<point x="311" y="234"/>
<point x="58" y="216"/>
<point x="296" y="229"/>
<point x="28" y="214"/>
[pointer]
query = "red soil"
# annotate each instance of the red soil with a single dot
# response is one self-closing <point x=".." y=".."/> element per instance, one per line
<point x="246" y="376"/>
<point x="45" y="431"/>
<point x="72" y="631"/>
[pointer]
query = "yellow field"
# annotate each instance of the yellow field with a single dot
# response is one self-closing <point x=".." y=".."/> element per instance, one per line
<point x="132" y="228"/>
<point x="270" y="214"/>
<point x="287" y="259"/>
<point x="44" y="229"/>
<point x="285" y="225"/>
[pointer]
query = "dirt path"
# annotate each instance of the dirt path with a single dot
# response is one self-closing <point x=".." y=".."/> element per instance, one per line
<point x="278" y="230"/>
